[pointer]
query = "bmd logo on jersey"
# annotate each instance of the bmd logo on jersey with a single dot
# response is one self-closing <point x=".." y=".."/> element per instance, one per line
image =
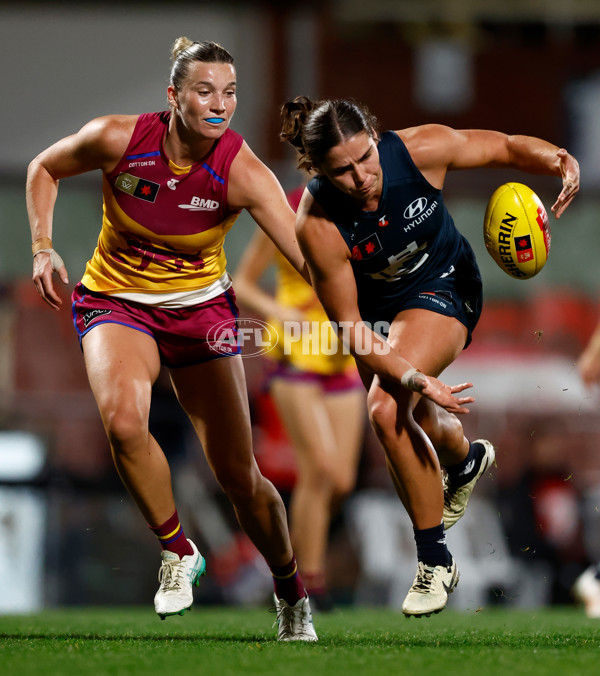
<point x="200" y="204"/>
<point x="415" y="208"/>
<point x="137" y="187"/>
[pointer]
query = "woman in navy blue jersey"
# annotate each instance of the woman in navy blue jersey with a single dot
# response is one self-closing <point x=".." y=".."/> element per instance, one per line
<point x="403" y="288"/>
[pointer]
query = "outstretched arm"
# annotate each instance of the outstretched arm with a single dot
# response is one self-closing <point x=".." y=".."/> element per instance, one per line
<point x="436" y="149"/>
<point x="330" y="268"/>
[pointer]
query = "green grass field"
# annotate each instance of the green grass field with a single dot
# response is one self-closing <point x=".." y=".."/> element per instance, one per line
<point x="223" y="641"/>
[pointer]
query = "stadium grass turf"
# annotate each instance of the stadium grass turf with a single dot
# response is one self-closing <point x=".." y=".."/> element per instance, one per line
<point x="226" y="641"/>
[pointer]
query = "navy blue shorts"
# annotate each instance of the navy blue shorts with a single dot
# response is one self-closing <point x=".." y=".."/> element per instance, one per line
<point x="441" y="296"/>
<point x="458" y="294"/>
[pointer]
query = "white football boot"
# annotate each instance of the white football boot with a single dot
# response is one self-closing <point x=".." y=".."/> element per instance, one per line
<point x="430" y="589"/>
<point x="456" y="499"/>
<point x="176" y="577"/>
<point x="294" y="622"/>
<point x="587" y="591"/>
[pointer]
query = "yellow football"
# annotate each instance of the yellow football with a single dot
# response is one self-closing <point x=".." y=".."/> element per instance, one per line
<point x="516" y="230"/>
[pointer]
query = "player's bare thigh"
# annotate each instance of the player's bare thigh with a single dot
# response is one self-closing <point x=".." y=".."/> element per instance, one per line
<point x="122" y="364"/>
<point x="300" y="405"/>
<point x="428" y="340"/>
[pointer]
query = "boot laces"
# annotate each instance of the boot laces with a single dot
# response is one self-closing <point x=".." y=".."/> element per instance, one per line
<point x="170" y="576"/>
<point x="291" y="620"/>
<point x="424" y="579"/>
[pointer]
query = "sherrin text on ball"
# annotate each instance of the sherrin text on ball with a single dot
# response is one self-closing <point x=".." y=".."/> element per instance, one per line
<point x="516" y="230"/>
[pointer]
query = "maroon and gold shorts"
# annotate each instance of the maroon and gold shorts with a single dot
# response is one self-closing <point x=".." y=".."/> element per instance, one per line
<point x="183" y="335"/>
<point x="329" y="383"/>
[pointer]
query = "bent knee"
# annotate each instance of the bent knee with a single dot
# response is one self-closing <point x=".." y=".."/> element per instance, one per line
<point x="343" y="486"/>
<point x="386" y="415"/>
<point x="125" y="427"/>
<point x="326" y="477"/>
<point x="242" y="486"/>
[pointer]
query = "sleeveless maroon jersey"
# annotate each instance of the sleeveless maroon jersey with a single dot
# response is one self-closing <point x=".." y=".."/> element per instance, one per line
<point x="163" y="226"/>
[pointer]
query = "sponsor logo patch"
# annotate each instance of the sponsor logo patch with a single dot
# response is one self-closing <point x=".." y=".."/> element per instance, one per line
<point x="200" y="204"/>
<point x="418" y="212"/>
<point x="142" y="163"/>
<point x="523" y="248"/>
<point x="137" y="187"/>
<point x="415" y="208"/>
<point x="90" y="315"/>
<point x="366" y="248"/>
<point x="442" y="299"/>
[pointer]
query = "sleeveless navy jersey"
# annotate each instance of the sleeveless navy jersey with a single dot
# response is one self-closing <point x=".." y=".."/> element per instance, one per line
<point x="404" y="246"/>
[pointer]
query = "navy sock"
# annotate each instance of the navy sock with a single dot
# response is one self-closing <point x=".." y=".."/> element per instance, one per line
<point x="461" y="473"/>
<point x="431" y="546"/>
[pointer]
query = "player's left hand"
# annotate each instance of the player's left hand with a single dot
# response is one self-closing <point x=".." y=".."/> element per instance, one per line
<point x="569" y="170"/>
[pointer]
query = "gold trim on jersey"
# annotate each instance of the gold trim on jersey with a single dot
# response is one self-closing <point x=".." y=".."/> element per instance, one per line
<point x="176" y="169"/>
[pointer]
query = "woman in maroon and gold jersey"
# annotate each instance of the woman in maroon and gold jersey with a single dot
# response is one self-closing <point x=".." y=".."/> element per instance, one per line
<point x="174" y="182"/>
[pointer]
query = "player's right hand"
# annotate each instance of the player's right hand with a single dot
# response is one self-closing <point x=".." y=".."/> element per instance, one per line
<point x="45" y="263"/>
